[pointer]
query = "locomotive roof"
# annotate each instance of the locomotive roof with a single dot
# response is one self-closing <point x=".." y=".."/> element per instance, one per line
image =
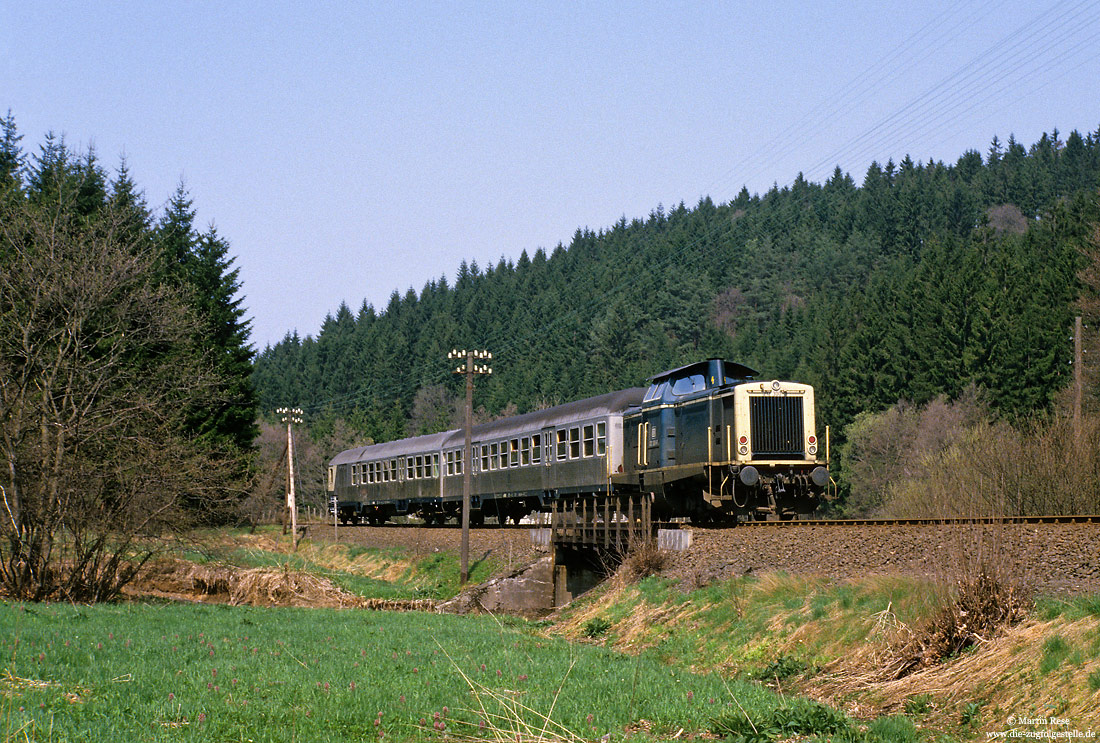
<point x="732" y="369"/>
<point x="592" y="407"/>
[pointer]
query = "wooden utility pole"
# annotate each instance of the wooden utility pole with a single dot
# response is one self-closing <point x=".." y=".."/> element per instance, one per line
<point x="469" y="369"/>
<point x="290" y="417"/>
<point x="1078" y="379"/>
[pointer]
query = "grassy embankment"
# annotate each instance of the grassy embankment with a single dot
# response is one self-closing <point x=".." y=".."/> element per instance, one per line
<point x="634" y="661"/>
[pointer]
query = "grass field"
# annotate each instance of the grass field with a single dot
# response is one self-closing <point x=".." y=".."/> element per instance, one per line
<point x="643" y="661"/>
<point x="191" y="672"/>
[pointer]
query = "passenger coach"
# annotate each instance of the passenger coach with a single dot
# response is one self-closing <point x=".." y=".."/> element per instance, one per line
<point x="520" y="464"/>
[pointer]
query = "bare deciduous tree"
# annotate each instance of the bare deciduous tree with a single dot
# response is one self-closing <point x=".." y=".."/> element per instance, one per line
<point x="96" y="368"/>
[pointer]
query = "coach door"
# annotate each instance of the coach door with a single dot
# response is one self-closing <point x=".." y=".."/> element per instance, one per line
<point x="547" y="467"/>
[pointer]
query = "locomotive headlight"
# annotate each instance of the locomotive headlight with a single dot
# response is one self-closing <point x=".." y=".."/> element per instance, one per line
<point x="812" y="448"/>
<point x="744" y="450"/>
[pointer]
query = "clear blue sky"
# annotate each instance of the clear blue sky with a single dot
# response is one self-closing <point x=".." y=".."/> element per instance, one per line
<point x="346" y="150"/>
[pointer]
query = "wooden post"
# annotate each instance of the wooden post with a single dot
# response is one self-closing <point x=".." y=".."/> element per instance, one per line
<point x="1078" y="381"/>
<point x="468" y="368"/>
<point x="630" y="523"/>
<point x="290" y="417"/>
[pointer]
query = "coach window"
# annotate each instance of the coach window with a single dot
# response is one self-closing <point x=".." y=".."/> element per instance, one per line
<point x="536" y="449"/>
<point x="484" y="457"/>
<point x="503" y="454"/>
<point x="589" y="440"/>
<point x="574" y="443"/>
<point x="601" y="439"/>
<point x="393" y="470"/>
<point x="450" y="464"/>
<point x="355" y="474"/>
<point x="458" y="462"/>
<point x="513" y="454"/>
<point x="435" y="465"/>
<point x="494" y="455"/>
<point x="525" y="451"/>
<point x="410" y="468"/>
<point x="418" y="467"/>
<point x="370" y="473"/>
<point x="563" y="444"/>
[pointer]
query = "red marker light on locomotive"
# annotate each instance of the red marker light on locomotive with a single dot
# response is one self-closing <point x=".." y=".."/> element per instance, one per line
<point x="813" y="439"/>
<point x="743" y="440"/>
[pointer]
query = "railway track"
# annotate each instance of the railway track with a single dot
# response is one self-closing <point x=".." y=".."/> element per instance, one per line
<point x="948" y="521"/>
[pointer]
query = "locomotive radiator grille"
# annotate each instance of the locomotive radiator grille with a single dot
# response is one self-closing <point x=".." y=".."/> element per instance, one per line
<point x="776" y="427"/>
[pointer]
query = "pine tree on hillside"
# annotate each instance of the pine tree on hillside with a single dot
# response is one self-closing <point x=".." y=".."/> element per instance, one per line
<point x="201" y="266"/>
<point x="230" y="418"/>
<point x="11" y="156"/>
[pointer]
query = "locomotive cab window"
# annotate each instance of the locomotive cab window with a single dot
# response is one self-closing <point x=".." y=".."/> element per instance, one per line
<point x="687" y="385"/>
<point x="656" y="392"/>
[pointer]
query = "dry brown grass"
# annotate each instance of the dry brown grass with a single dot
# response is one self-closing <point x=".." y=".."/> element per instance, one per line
<point x="1002" y="675"/>
<point x="642" y="560"/>
<point x="218" y="583"/>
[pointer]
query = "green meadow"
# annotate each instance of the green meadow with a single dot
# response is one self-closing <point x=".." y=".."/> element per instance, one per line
<point x="151" y="672"/>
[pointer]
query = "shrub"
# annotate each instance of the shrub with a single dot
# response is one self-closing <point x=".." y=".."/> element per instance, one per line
<point x="893" y="729"/>
<point x="782" y="668"/>
<point x="981" y="606"/>
<point x="642" y="561"/>
<point x="799" y="717"/>
<point x="596" y="627"/>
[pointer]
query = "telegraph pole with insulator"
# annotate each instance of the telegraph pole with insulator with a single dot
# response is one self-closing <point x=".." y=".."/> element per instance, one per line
<point x="290" y="417"/>
<point x="469" y="368"/>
